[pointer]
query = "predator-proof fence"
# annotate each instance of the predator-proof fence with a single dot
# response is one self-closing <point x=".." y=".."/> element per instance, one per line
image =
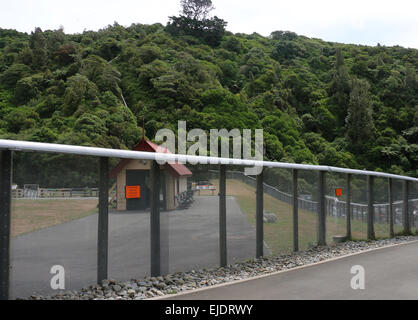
<point x="73" y="216"/>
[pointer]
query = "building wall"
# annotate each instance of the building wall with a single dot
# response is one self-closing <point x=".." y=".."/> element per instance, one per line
<point x="183" y="184"/>
<point x="170" y="187"/>
<point x="121" y="180"/>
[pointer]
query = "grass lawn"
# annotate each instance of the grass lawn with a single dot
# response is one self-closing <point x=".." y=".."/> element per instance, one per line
<point x="279" y="235"/>
<point x="31" y="215"/>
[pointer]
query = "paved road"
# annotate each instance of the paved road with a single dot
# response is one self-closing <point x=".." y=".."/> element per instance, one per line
<point x="192" y="241"/>
<point x="390" y="273"/>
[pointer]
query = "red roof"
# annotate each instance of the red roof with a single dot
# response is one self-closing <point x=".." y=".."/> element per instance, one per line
<point x="175" y="169"/>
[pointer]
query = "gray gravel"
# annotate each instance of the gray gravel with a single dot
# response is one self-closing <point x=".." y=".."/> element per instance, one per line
<point x="151" y="287"/>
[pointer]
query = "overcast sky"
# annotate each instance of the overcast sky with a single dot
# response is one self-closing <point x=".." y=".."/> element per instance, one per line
<point x="349" y="21"/>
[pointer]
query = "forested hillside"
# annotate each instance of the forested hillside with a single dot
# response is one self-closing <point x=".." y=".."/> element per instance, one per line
<point x="318" y="102"/>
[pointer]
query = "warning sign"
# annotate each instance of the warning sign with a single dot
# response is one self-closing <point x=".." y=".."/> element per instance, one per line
<point x="338" y="192"/>
<point x="132" y="192"/>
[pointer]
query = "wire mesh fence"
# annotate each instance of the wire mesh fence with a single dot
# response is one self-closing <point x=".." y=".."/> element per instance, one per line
<point x="52" y="236"/>
<point x="308" y="208"/>
<point x="135" y="218"/>
<point x="193" y="230"/>
<point x="381" y="209"/>
<point x="335" y="207"/>
<point x="359" y="207"/>
<point x="398" y="206"/>
<point x="413" y="206"/>
<point x="278" y="211"/>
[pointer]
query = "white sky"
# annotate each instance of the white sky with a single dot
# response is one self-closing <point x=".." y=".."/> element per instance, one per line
<point x="349" y="21"/>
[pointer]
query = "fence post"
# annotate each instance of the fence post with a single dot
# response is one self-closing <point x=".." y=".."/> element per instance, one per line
<point x="348" y="207"/>
<point x="103" y="224"/>
<point x="406" y="224"/>
<point x="321" y="209"/>
<point x="370" y="209"/>
<point x="222" y="216"/>
<point x="411" y="207"/>
<point x="295" y="211"/>
<point x="259" y="216"/>
<point x="390" y="213"/>
<point x="5" y="216"/>
<point x="155" y="220"/>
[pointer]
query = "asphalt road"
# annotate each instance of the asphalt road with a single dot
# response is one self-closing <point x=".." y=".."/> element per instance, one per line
<point x="390" y="273"/>
<point x="189" y="240"/>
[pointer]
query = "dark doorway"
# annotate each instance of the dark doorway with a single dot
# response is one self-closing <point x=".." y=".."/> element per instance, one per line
<point x="138" y="178"/>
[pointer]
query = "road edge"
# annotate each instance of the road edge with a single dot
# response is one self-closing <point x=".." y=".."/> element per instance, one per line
<point x="169" y="296"/>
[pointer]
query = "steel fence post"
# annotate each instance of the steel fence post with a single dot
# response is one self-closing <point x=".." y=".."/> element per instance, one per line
<point x="390" y="213"/>
<point x="370" y="208"/>
<point x="5" y="219"/>
<point x="259" y="216"/>
<point x="295" y="210"/>
<point x="348" y="207"/>
<point x="321" y="209"/>
<point x="406" y="222"/>
<point x="155" y="226"/>
<point x="103" y="221"/>
<point x="222" y="216"/>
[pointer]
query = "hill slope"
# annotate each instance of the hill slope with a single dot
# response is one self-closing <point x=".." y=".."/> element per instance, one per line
<point x="318" y="102"/>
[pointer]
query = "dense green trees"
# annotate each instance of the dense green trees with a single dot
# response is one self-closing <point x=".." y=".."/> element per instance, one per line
<point x="318" y="102"/>
<point x="37" y="43"/>
<point x="340" y="88"/>
<point x="194" y="21"/>
<point x="196" y="9"/>
<point x="359" y="119"/>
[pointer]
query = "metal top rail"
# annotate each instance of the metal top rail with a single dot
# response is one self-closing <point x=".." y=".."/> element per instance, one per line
<point x="141" y="155"/>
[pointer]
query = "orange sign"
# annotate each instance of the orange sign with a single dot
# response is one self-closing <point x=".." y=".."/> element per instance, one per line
<point x="338" y="192"/>
<point x="132" y="192"/>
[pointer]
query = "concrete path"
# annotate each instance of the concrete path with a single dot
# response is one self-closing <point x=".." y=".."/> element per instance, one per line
<point x="390" y="273"/>
<point x="192" y="242"/>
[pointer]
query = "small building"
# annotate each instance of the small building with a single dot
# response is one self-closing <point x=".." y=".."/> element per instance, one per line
<point x="133" y="180"/>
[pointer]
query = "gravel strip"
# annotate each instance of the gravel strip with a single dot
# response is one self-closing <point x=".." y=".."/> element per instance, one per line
<point x="151" y="287"/>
